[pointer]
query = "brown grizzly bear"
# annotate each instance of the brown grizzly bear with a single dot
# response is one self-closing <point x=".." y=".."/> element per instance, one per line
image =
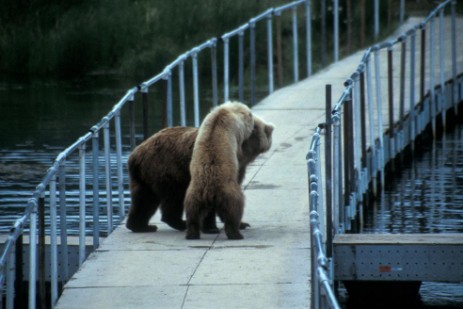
<point x="214" y="169"/>
<point x="159" y="174"/>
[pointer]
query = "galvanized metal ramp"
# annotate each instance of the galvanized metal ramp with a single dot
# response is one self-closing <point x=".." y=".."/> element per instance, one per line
<point x="399" y="257"/>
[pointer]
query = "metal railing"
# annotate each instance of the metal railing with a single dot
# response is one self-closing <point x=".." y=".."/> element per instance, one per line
<point x="366" y="134"/>
<point x="90" y="174"/>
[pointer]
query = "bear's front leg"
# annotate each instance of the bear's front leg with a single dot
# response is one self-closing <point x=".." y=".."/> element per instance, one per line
<point x="137" y="228"/>
<point x="172" y="210"/>
<point x="144" y="205"/>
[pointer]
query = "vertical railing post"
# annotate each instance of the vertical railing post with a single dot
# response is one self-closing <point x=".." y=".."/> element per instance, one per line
<point x="241" y="66"/>
<point x="389" y="12"/>
<point x="356" y="140"/>
<point x="53" y="243"/>
<point x="321" y="209"/>
<point x="363" y="124"/>
<point x="109" y="194"/>
<point x="328" y="173"/>
<point x="356" y="122"/>
<point x="215" y="81"/>
<point x="270" y="53"/>
<point x="252" y="35"/>
<point x="442" y="100"/>
<point x="32" y="254"/>
<point x="314" y="224"/>
<point x="363" y="167"/>
<point x="371" y="124"/>
<point x="403" y="55"/>
<point x="169" y="109"/>
<point x="402" y="11"/>
<point x="10" y="279"/>
<point x="144" y="98"/>
<point x="348" y="156"/>
<point x="226" y="68"/>
<point x="314" y="286"/>
<point x="96" y="192"/>
<point x="295" y="45"/>
<point x="132" y="123"/>
<point x="361" y="7"/>
<point x="338" y="203"/>
<point x="120" y="175"/>
<point x="82" y="191"/>
<point x="19" y="301"/>
<point x="323" y="31"/>
<point x="423" y="62"/>
<point x="379" y="112"/>
<point x="279" y="49"/>
<point x="432" y="75"/>
<point x="42" y="260"/>
<point x="390" y="88"/>
<point x="63" y="223"/>
<point x="336" y="29"/>
<point x="308" y="33"/>
<point x="349" y="26"/>
<point x="181" y="83"/>
<point x="454" y="57"/>
<point x="376" y="18"/>
<point x="194" y="57"/>
<point x="412" y="90"/>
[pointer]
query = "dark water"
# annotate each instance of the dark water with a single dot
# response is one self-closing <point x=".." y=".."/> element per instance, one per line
<point x="426" y="197"/>
<point x="37" y="122"/>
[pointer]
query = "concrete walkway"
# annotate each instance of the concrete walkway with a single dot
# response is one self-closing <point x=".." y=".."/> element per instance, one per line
<point x="270" y="268"/>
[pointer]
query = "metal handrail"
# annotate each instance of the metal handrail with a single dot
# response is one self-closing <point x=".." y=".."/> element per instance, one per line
<point x="350" y="123"/>
<point x="320" y="266"/>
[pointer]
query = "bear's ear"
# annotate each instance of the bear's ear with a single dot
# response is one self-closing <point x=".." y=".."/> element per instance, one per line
<point x="269" y="129"/>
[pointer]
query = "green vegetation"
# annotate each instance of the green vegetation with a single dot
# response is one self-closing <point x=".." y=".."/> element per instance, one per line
<point x="67" y="39"/>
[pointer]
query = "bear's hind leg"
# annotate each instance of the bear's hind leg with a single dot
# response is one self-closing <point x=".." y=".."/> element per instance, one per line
<point x="195" y="215"/>
<point x="210" y="224"/>
<point x="144" y="205"/>
<point x="193" y="224"/>
<point x="172" y="212"/>
<point x="243" y="225"/>
<point x="231" y="212"/>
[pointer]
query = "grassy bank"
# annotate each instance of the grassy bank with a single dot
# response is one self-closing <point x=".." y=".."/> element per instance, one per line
<point x="68" y="39"/>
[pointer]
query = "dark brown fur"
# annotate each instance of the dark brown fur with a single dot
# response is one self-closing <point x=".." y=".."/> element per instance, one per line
<point x="159" y="175"/>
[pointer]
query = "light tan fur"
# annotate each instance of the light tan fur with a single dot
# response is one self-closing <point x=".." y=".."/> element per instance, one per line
<point x="214" y="169"/>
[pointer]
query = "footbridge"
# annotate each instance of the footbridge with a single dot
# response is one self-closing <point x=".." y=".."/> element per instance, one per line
<point x="292" y="255"/>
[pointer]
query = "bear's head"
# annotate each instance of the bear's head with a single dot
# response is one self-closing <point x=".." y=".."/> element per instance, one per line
<point x="259" y="141"/>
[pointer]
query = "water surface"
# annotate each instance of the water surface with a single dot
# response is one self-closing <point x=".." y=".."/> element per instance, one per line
<point x="38" y="120"/>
